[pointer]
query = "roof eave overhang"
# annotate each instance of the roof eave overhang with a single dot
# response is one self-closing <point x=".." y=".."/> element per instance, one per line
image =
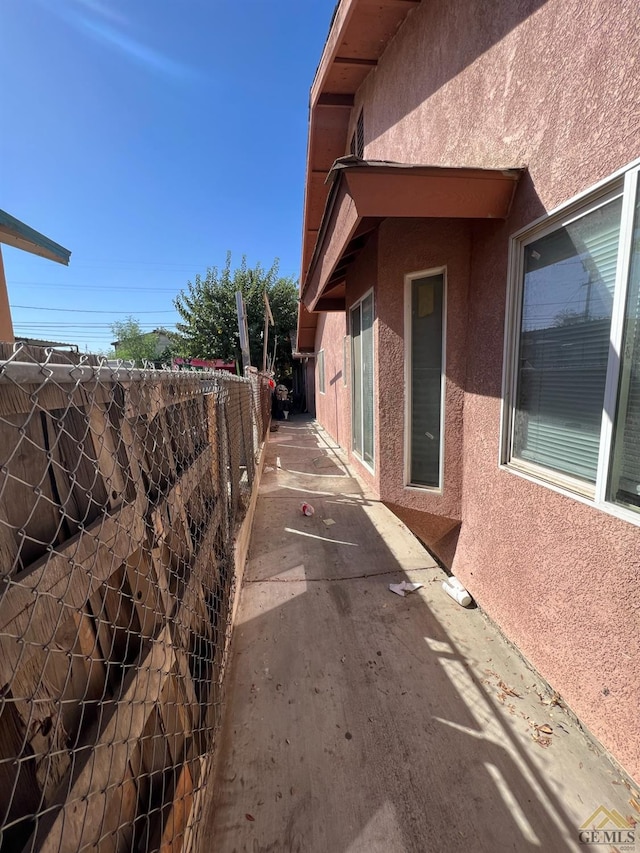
<point x="365" y="193"/>
<point x="306" y="333"/>
<point x="359" y="34"/>
<point x="20" y="236"/>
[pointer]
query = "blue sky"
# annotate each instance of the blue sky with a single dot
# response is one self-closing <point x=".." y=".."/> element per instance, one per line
<point x="148" y="138"/>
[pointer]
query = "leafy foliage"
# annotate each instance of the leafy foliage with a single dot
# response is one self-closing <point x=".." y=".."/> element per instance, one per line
<point x="134" y="344"/>
<point x="207" y="307"/>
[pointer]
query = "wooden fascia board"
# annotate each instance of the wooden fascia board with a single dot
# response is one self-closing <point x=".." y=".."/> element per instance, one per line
<point x="378" y="192"/>
<point x="344" y="14"/>
<point x="342" y="17"/>
<point x="325" y="304"/>
<point x="306" y="332"/>
<point x="431" y="192"/>
<point x="18" y="234"/>
<point x="18" y="241"/>
<point x="341" y="225"/>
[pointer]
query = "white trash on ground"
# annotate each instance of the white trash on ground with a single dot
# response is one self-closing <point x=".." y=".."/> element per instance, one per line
<point x="404" y="588"/>
<point x="454" y="588"/>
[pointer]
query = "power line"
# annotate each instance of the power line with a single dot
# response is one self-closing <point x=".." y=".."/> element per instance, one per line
<point x="109" y="287"/>
<point x="90" y="310"/>
<point x="155" y="263"/>
<point x="104" y="326"/>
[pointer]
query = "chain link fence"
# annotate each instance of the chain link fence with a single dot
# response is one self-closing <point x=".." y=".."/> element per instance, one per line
<point x="121" y="492"/>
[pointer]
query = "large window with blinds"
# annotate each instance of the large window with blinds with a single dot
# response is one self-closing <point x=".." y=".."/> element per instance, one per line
<point x="424" y="357"/>
<point x="362" y="366"/>
<point x="572" y="370"/>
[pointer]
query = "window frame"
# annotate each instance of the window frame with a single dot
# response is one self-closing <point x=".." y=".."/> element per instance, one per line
<point x="408" y="402"/>
<point x="358" y="305"/>
<point x="625" y="184"/>
<point x="321" y="371"/>
<point x="356" y="145"/>
<point x="345" y="359"/>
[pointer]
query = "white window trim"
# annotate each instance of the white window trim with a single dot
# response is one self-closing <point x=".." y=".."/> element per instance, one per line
<point x="346" y="342"/>
<point x="623" y="183"/>
<point x="361" y="459"/>
<point x="408" y="280"/>
<point x="324" y="371"/>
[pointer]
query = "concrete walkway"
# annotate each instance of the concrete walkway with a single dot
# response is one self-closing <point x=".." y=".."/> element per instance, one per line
<point x="359" y="721"/>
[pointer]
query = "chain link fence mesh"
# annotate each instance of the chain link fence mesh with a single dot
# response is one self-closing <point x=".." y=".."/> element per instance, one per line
<point x="120" y="494"/>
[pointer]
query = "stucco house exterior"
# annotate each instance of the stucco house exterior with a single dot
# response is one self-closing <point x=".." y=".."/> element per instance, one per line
<point x="470" y="294"/>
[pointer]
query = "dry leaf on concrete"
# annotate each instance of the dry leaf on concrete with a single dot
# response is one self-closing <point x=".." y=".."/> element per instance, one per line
<point x="508" y="690"/>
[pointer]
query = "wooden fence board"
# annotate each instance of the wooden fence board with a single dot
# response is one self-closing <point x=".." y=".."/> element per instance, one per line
<point x="78" y="821"/>
<point x="33" y="605"/>
<point x="116" y="526"/>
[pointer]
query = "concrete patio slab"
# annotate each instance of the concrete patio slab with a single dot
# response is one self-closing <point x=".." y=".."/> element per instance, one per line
<point x="359" y="721"/>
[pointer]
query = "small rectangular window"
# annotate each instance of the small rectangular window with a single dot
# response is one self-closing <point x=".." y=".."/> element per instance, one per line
<point x="425" y="356"/>
<point x="357" y="140"/>
<point x="320" y="363"/>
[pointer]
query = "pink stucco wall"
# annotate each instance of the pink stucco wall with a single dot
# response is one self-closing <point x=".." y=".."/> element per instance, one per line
<point x="551" y="86"/>
<point x="408" y="246"/>
<point x="333" y="407"/>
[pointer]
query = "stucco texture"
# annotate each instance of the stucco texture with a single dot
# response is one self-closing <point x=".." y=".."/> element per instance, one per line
<point x="494" y="83"/>
<point x="333" y="409"/>
<point x="551" y="86"/>
<point x="558" y="576"/>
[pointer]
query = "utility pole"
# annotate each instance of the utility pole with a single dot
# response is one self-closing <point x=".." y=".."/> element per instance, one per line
<point x="268" y="318"/>
<point x="243" y="329"/>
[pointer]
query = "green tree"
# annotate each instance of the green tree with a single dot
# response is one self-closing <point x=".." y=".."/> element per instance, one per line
<point x="134" y="344"/>
<point x="209" y="322"/>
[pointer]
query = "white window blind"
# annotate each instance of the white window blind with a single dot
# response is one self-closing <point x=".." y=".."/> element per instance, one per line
<point x="625" y="475"/>
<point x="427" y="303"/>
<point x="569" y="280"/>
<point x="572" y="417"/>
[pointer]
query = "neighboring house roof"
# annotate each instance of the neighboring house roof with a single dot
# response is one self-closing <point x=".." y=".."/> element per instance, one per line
<point x="210" y="364"/>
<point x="38" y="342"/>
<point x="21" y="236"/>
<point x="162" y="334"/>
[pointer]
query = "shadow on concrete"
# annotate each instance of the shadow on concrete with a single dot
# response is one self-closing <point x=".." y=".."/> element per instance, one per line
<point x="357" y="720"/>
